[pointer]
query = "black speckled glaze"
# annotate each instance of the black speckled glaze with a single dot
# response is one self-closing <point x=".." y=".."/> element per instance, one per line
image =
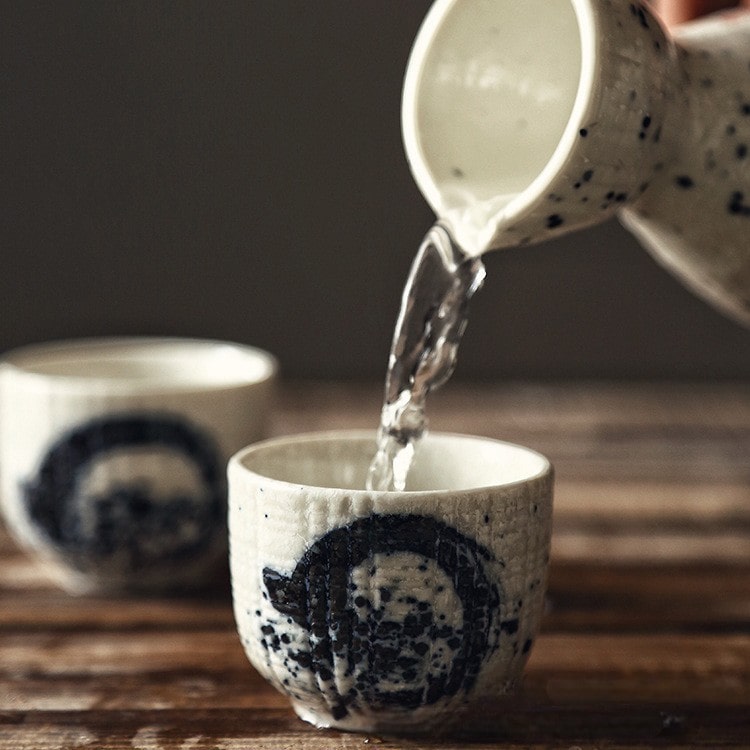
<point x="694" y="216"/>
<point x="392" y="646"/>
<point x="130" y="525"/>
<point x="619" y="138"/>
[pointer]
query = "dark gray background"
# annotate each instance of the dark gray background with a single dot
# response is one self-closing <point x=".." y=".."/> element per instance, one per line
<point x="234" y="170"/>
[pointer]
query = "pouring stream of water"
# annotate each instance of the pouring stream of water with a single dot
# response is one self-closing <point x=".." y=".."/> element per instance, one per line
<point x="431" y="322"/>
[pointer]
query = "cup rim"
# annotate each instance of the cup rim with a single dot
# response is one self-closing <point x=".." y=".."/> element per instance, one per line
<point x="237" y="468"/>
<point x="588" y="33"/>
<point x="252" y="366"/>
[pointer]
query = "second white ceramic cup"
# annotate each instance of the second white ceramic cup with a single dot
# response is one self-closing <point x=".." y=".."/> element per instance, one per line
<point x="113" y="455"/>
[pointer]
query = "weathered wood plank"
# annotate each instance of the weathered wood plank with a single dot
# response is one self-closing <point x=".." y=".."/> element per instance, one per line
<point x="244" y="688"/>
<point x="513" y="727"/>
<point x="690" y="655"/>
<point x="698" y="506"/>
<point x="584" y="584"/>
<point x="639" y="598"/>
<point x="606" y="596"/>
<point x="637" y="658"/>
<point x="241" y="687"/>
<point x="47" y="611"/>
<point x="657" y="547"/>
<point x="119" y="653"/>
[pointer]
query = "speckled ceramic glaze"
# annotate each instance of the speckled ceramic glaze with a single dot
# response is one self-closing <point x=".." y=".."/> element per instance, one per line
<point x="388" y="611"/>
<point x="113" y="455"/>
<point x="525" y="120"/>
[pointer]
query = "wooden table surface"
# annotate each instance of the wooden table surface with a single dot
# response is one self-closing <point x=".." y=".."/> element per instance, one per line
<point x="646" y="642"/>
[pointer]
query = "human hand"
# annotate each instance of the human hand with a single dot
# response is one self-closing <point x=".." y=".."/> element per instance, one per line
<point x="677" y="11"/>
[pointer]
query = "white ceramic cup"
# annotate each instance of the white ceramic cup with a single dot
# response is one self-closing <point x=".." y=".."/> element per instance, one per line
<point x="388" y="612"/>
<point x="113" y="455"/>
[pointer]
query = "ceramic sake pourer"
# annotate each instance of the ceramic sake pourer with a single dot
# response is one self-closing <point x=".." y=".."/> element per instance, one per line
<point x="390" y="612"/>
<point x="113" y="456"/>
<point x="525" y="120"/>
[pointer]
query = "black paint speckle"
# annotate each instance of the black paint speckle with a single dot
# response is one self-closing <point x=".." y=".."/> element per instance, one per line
<point x="509" y="626"/>
<point x="737" y="205"/>
<point x="555" y="220"/>
<point x="640" y="14"/>
<point x="684" y="181"/>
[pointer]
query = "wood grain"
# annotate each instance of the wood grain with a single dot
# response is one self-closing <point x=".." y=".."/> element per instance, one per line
<point x="645" y="641"/>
